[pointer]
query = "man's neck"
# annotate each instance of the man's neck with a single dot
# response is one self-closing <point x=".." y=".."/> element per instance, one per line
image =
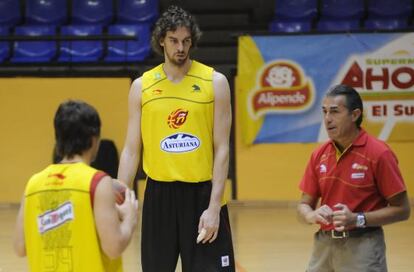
<point x="345" y="143"/>
<point x="85" y="157"/>
<point x="175" y="73"/>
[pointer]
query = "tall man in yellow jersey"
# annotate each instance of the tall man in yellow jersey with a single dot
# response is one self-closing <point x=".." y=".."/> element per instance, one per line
<point x="68" y="219"/>
<point x="180" y="115"/>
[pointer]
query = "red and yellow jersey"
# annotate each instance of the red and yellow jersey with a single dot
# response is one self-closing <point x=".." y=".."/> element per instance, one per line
<point x="59" y="225"/>
<point x="363" y="177"/>
<point x="177" y="125"/>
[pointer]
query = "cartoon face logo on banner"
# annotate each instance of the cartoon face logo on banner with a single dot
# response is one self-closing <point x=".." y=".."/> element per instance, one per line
<point x="282" y="88"/>
<point x="280" y="76"/>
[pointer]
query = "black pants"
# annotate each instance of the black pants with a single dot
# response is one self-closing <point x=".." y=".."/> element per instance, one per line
<point x="170" y="218"/>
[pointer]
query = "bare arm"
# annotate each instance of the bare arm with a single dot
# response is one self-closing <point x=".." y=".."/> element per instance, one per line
<point x="397" y="210"/>
<point x="130" y="154"/>
<point x="210" y="218"/>
<point x="115" y="225"/>
<point x="19" y="242"/>
<point x="307" y="212"/>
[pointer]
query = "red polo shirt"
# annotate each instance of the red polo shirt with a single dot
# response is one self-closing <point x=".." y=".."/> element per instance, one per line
<point x="363" y="178"/>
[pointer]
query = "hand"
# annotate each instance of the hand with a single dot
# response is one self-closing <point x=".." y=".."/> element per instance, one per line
<point x="342" y="217"/>
<point x="209" y="221"/>
<point x="322" y="215"/>
<point x="128" y="210"/>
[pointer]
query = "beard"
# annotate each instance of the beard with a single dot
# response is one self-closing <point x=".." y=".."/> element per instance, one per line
<point x="179" y="60"/>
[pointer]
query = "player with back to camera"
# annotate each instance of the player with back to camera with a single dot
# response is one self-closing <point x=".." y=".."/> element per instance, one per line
<point x="68" y="219"/>
<point x="180" y="115"/>
<point x="360" y="187"/>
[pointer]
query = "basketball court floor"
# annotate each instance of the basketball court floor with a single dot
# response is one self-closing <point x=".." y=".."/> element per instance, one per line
<point x="267" y="238"/>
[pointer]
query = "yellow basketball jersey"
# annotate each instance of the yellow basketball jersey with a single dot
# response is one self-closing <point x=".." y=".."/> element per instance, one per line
<point x="59" y="226"/>
<point x="177" y="125"/>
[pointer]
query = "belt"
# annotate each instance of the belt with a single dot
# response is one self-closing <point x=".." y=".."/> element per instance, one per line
<point x="348" y="233"/>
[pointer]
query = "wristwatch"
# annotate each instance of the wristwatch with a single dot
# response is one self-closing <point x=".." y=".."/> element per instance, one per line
<point x="360" y="220"/>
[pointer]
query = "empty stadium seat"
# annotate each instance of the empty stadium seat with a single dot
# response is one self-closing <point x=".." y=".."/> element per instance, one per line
<point x="341" y="15"/>
<point x="34" y="51"/>
<point x="388" y="15"/>
<point x="128" y="51"/>
<point x="52" y="12"/>
<point x="290" y="26"/>
<point x="4" y="46"/>
<point x="137" y="11"/>
<point x="338" y="25"/>
<point x="293" y="15"/>
<point x="10" y="13"/>
<point x="81" y="51"/>
<point x="92" y="12"/>
<point x="386" y="24"/>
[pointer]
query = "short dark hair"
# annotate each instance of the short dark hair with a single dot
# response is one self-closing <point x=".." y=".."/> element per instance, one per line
<point x="76" y="123"/>
<point x="173" y="18"/>
<point x="352" y="99"/>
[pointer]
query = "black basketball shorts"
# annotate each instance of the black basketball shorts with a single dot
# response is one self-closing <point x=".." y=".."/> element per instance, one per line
<point x="171" y="213"/>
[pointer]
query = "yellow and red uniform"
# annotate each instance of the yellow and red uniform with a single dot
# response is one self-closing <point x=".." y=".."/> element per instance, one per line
<point x="177" y="124"/>
<point x="177" y="134"/>
<point x="59" y="225"/>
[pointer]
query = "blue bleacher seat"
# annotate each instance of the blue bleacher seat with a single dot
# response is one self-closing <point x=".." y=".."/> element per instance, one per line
<point x="92" y="12"/>
<point x="10" y="13"/>
<point x="4" y="46"/>
<point x="34" y="51"/>
<point x="387" y="8"/>
<point x="52" y="12"/>
<point x="129" y="51"/>
<point x="341" y="15"/>
<point x="295" y="9"/>
<point x="285" y="25"/>
<point x="386" y="24"/>
<point x="388" y="15"/>
<point x="137" y="11"/>
<point x="338" y="25"/>
<point x="81" y="51"/>
<point x="293" y="15"/>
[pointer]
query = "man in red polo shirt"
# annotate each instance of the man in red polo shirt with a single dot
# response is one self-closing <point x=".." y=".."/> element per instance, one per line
<point x="357" y="179"/>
